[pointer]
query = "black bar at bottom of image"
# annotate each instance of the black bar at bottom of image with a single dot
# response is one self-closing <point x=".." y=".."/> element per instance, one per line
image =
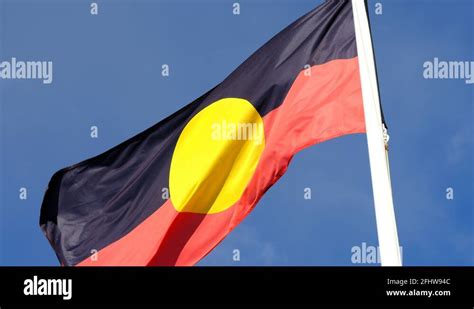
<point x="325" y="285"/>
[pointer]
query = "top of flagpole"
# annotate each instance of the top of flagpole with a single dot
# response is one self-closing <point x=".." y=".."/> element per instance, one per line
<point x="375" y="63"/>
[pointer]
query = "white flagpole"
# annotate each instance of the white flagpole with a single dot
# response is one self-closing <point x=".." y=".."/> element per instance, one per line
<point x="379" y="169"/>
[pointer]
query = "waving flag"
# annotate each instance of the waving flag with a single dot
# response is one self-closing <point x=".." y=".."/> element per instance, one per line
<point x="217" y="156"/>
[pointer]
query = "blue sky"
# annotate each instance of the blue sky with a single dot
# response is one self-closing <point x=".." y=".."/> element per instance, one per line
<point x="107" y="73"/>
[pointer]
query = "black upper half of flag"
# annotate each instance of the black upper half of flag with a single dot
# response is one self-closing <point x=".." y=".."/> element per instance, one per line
<point x="93" y="203"/>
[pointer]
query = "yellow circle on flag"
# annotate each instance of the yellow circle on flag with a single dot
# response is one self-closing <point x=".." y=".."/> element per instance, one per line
<point x="216" y="156"/>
